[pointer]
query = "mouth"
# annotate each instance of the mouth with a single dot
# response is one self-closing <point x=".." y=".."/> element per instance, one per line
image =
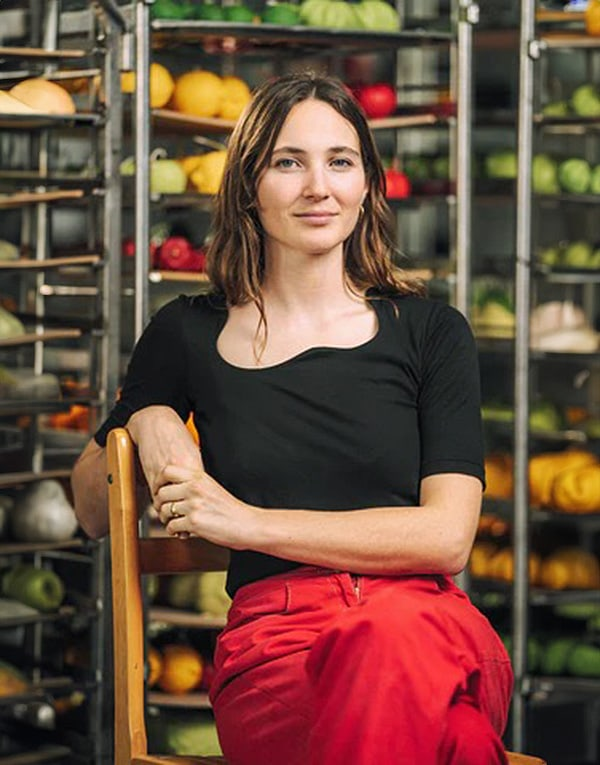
<point x="316" y="215"/>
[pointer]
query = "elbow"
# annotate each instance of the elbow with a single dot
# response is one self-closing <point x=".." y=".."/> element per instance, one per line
<point x="455" y="555"/>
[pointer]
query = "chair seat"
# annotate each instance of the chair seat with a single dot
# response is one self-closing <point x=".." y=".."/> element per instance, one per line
<point x="173" y="759"/>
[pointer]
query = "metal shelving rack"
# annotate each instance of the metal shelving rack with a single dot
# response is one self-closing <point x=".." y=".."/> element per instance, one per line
<point x="535" y="42"/>
<point x="97" y="47"/>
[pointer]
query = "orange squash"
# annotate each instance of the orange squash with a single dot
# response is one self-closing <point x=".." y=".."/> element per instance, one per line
<point x="499" y="476"/>
<point x="592" y="18"/>
<point x="155" y="666"/>
<point x="182" y="668"/>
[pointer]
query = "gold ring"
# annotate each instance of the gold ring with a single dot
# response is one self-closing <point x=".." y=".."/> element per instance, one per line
<point x="172" y="511"/>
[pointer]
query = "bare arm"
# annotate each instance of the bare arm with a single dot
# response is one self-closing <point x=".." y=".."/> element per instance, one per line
<point x="435" y="537"/>
<point x="161" y="439"/>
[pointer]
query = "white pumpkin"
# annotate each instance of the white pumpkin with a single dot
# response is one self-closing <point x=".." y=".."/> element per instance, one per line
<point x="42" y="513"/>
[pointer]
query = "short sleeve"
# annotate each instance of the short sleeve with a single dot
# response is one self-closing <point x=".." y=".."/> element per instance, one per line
<point x="450" y="398"/>
<point x="156" y="373"/>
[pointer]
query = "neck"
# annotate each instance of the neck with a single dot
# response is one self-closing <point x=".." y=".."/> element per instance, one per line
<point x="298" y="284"/>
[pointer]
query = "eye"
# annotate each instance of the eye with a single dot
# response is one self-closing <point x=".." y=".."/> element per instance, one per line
<point x="342" y="162"/>
<point x="285" y="163"/>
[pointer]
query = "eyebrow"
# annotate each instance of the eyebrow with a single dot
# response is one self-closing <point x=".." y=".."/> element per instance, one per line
<point x="332" y="149"/>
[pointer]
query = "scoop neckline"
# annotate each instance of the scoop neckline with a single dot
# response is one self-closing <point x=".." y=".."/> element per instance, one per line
<point x="302" y="354"/>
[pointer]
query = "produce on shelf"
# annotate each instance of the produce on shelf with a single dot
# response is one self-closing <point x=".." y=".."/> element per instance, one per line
<point x="24" y="385"/>
<point x="561" y="327"/>
<point x="8" y="251"/>
<point x="201" y="93"/>
<point x="166" y="175"/>
<point x="577" y="490"/>
<point x="285" y="14"/>
<point x="492" y="314"/>
<point x="211" y="597"/>
<point x="39" y="588"/>
<point x="207" y="172"/>
<point x="169" y="9"/>
<point x="184" y="733"/>
<point x="578" y="254"/>
<point x="202" y="591"/>
<point x="502" y="564"/>
<point x="584" y="660"/>
<point x="10" y="326"/>
<point x="162" y="85"/>
<point x="397" y="184"/>
<point x="77" y="418"/>
<point x="375" y="15"/>
<point x="155" y="666"/>
<point x="575" y="175"/>
<point x="482" y="553"/>
<point x="499" y="475"/>
<point x="544" y="416"/>
<point x="44" y="96"/>
<point x="491" y="525"/>
<point x="207" y="12"/>
<point x="585" y="100"/>
<point x="544" y="175"/>
<point x="239" y="13"/>
<point x="592" y="18"/>
<point x="181" y="669"/>
<point x="12" y="680"/>
<point x="501" y="164"/>
<point x="546" y="466"/>
<point x="42" y="513"/>
<point x="570" y="568"/>
<point x="11" y="105"/>
<point x="556" y="109"/>
<point x="377" y="100"/>
<point x="555" y="655"/>
<point x="534" y="650"/>
<point x="14" y="609"/>
<point x="595" y="182"/>
<point x="177" y="253"/>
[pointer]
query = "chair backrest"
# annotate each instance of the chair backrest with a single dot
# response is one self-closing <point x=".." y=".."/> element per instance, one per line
<point x="132" y="557"/>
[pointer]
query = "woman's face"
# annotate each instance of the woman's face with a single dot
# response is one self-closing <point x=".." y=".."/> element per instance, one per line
<point x="309" y="196"/>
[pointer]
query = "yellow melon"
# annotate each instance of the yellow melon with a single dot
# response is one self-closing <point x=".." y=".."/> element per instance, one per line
<point x="44" y="96"/>
<point x="181" y="669"/>
<point x="199" y="93"/>
<point x="162" y="85"/>
<point x="236" y="94"/>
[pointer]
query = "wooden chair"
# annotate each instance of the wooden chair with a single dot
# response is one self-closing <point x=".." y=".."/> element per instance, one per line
<point x="131" y="558"/>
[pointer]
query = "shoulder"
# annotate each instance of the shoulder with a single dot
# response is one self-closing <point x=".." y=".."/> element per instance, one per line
<point x="425" y="313"/>
<point x="186" y="307"/>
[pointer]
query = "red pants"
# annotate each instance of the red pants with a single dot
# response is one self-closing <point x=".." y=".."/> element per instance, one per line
<point x="323" y="668"/>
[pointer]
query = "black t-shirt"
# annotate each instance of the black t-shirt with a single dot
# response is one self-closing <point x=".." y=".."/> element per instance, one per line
<point x="330" y="428"/>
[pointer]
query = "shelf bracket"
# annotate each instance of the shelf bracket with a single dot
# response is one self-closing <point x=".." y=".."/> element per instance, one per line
<point x="535" y="48"/>
<point x="469" y="13"/>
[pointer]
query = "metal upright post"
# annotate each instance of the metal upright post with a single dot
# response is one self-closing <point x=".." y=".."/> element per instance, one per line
<point x="468" y="15"/>
<point x="142" y="164"/>
<point x="520" y="609"/>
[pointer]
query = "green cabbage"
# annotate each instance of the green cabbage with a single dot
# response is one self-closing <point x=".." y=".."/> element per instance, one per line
<point x="377" y="14"/>
<point x="574" y="175"/>
<point x="544" y="172"/>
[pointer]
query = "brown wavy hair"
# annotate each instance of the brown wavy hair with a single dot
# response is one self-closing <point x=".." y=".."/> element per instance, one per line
<point x="235" y="255"/>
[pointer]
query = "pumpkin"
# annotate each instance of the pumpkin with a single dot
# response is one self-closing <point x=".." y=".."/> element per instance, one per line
<point x="592" y="18"/>
<point x="577" y="490"/>
<point x="499" y="476"/>
<point x="155" y="666"/>
<point x="544" y="467"/>
<point x="181" y="669"/>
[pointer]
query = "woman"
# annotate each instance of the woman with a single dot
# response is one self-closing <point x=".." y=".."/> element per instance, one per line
<point x="338" y="413"/>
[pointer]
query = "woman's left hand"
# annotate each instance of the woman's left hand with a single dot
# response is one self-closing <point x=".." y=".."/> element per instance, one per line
<point x="191" y="502"/>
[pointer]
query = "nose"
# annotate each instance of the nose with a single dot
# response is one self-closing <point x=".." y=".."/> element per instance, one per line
<point x="316" y="185"/>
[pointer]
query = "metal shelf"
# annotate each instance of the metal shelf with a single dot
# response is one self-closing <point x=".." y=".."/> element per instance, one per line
<point x="48" y="753"/>
<point x="67" y="261"/>
<point x="33" y="121"/>
<point x="64" y="612"/>
<point x="223" y="37"/>
<point x="30" y="407"/>
<point x="47" y="335"/>
<point x="19" y="199"/>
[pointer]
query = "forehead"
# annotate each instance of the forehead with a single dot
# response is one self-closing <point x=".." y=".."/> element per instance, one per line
<point x="316" y="123"/>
